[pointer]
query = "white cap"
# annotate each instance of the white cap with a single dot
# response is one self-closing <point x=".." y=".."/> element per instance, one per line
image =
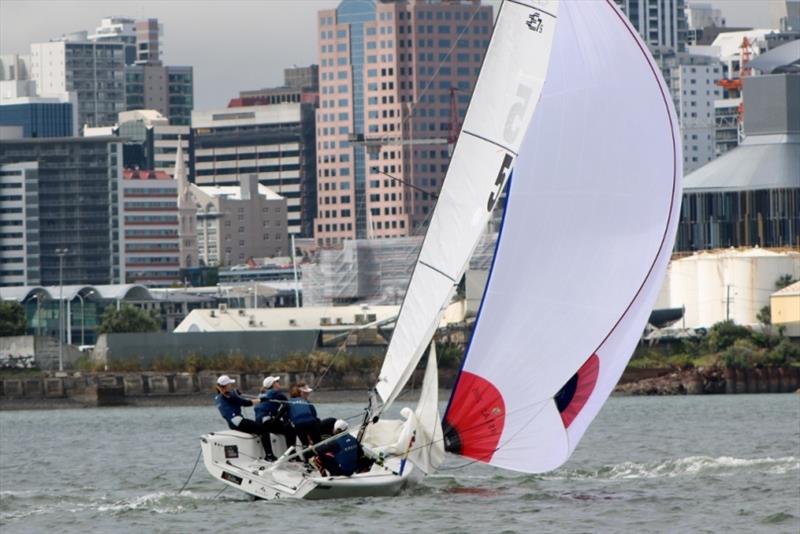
<point x="270" y="380"/>
<point x="224" y="380"/>
<point x="306" y="389"/>
<point x="340" y="425"/>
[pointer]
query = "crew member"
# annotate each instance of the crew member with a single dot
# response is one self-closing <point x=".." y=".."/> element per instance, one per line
<point x="344" y="455"/>
<point x="230" y="404"/>
<point x="272" y="412"/>
<point x="303" y="415"/>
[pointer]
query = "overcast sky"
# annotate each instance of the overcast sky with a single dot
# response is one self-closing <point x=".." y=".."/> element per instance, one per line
<point x="235" y="44"/>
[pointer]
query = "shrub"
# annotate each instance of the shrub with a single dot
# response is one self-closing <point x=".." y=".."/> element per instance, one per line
<point x="742" y="353"/>
<point x="724" y="334"/>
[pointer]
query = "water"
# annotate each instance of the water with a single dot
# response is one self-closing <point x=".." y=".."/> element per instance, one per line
<point x="654" y="464"/>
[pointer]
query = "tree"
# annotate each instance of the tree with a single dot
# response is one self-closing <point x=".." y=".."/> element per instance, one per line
<point x="784" y="280"/>
<point x="127" y="319"/>
<point x="723" y="335"/>
<point x="12" y="319"/>
<point x="764" y="316"/>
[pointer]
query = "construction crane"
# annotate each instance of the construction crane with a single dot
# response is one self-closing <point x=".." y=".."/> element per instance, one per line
<point x="734" y="85"/>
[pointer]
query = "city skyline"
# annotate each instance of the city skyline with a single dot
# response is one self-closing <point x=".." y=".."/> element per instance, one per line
<point x="237" y="57"/>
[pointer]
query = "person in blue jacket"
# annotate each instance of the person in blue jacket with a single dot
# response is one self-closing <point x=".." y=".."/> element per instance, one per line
<point x="230" y="404"/>
<point x="272" y="410"/>
<point x="303" y="415"/>
<point x="344" y="455"/>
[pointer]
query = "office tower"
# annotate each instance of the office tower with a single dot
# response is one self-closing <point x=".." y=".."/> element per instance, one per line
<point x="395" y="80"/>
<point x="71" y="190"/>
<point x="274" y="142"/>
<point x="94" y="70"/>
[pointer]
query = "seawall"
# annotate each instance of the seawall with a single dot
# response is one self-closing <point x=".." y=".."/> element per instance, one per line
<point x="155" y="389"/>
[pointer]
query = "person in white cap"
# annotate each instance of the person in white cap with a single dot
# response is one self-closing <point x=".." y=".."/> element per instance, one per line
<point x="303" y="415"/>
<point x="230" y="404"/>
<point x="271" y="411"/>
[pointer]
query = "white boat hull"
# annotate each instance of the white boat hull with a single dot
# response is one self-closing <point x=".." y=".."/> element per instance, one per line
<point x="236" y="458"/>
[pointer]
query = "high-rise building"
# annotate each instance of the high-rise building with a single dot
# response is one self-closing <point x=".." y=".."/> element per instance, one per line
<point x="19" y="231"/>
<point x="148" y="49"/>
<point x="71" y="201"/>
<point x="395" y="77"/>
<point x="92" y="69"/>
<point x="274" y="142"/>
<point x="661" y="23"/>
<point x="167" y="89"/>
<point x="150" y="224"/>
<point x="694" y="91"/>
<point x="118" y="29"/>
<point x="237" y="223"/>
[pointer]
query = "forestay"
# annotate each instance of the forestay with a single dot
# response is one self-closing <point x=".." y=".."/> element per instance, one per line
<point x="502" y="104"/>
<point x="588" y="230"/>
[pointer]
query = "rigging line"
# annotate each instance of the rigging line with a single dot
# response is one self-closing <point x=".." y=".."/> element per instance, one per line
<point x="220" y="491"/>
<point x="409" y="184"/>
<point x="192" y="473"/>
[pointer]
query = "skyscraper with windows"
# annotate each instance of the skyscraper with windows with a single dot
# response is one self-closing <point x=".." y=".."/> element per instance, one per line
<point x="395" y="80"/>
<point x="661" y="23"/>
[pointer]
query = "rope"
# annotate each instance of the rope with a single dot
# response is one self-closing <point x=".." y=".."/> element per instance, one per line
<point x="192" y="473"/>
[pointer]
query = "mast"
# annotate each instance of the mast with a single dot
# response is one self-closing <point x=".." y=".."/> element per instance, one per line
<point x="505" y="97"/>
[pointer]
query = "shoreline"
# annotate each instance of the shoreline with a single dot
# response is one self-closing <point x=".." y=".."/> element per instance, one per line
<point x="28" y="392"/>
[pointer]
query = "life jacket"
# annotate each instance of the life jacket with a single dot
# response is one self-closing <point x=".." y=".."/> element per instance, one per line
<point x="266" y="408"/>
<point x="342" y="458"/>
<point x="301" y="412"/>
<point x="230" y="407"/>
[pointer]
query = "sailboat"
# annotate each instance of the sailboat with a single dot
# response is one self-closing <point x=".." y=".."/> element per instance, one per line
<point x="571" y="118"/>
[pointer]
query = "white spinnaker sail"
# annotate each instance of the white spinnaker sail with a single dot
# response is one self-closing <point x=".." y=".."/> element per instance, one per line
<point x="502" y="104"/>
<point x="589" y="227"/>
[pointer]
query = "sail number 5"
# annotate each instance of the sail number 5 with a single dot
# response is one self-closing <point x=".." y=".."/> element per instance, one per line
<point x="499" y="182"/>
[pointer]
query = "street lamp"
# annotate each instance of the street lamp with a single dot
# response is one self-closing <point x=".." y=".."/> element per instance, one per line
<point x="83" y="342"/>
<point x="61" y="252"/>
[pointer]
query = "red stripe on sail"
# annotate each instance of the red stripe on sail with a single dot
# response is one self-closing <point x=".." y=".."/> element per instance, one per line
<point x="475" y="418"/>
<point x="587" y="378"/>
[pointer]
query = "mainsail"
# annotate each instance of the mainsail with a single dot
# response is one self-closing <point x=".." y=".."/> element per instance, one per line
<point x="505" y="96"/>
<point x="589" y="226"/>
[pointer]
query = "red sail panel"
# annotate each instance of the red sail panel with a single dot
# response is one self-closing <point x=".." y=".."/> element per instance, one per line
<point x="475" y="418"/>
<point x="587" y="378"/>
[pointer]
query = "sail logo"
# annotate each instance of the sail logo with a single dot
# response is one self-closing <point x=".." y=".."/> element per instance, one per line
<point x="535" y="23"/>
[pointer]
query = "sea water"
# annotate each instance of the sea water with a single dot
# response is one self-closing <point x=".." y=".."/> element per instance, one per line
<point x="647" y="464"/>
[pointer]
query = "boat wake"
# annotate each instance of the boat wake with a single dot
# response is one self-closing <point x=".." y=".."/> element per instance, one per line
<point x="689" y="466"/>
<point x="18" y="505"/>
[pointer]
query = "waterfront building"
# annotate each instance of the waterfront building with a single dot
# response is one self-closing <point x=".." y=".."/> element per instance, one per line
<point x="661" y="23"/>
<point x="395" y="80"/>
<point x="273" y="142"/>
<point x="150" y="226"/>
<point x="750" y="196"/>
<point x="94" y="70"/>
<point x="238" y="223"/>
<point x="71" y="190"/>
